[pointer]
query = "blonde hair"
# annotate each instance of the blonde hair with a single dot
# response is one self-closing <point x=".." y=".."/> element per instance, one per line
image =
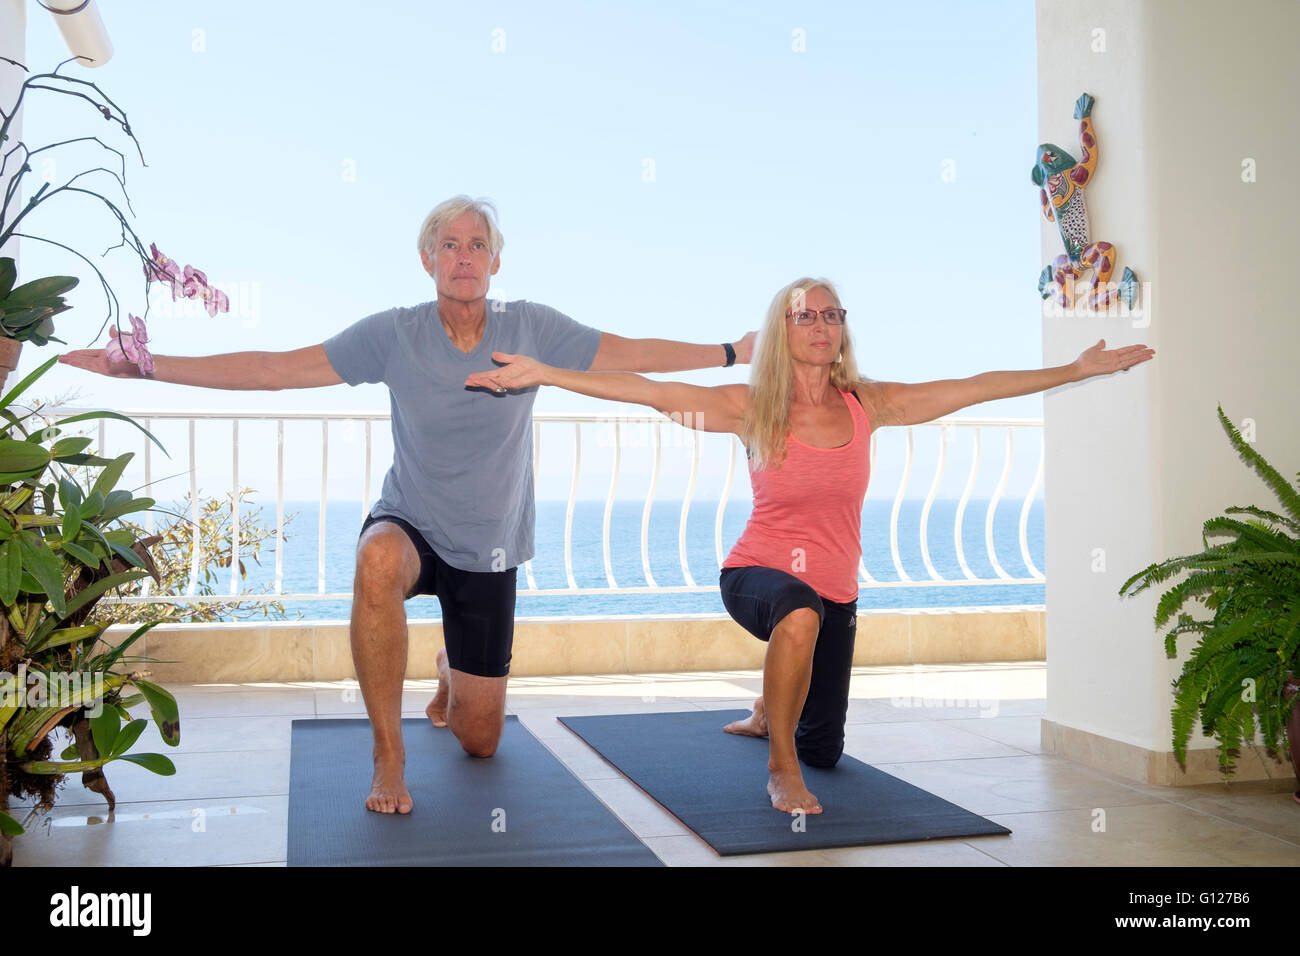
<point x="453" y="208"/>
<point x="771" y="380"/>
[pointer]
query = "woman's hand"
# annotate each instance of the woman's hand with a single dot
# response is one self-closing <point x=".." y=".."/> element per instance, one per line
<point x="745" y="348"/>
<point x="517" y="371"/>
<point x="1095" y="361"/>
<point x="96" y="360"/>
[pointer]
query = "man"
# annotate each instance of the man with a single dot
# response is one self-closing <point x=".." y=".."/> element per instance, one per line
<point x="455" y="517"/>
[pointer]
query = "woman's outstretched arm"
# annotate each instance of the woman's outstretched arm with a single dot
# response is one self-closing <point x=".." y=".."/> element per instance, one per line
<point x="716" y="409"/>
<point x="926" y="401"/>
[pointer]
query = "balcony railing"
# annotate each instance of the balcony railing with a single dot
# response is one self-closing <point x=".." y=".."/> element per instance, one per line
<point x="549" y="424"/>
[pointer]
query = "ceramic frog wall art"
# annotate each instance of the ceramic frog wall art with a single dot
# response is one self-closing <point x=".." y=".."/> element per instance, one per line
<point x="1061" y="182"/>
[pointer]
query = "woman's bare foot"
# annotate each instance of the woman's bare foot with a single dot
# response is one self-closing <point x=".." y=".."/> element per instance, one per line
<point x="437" y="709"/>
<point x="755" y="725"/>
<point x="788" y="793"/>
<point x="388" y="793"/>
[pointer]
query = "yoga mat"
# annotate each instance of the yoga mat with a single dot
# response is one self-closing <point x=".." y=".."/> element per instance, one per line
<point x="715" y="784"/>
<point x="519" y="807"/>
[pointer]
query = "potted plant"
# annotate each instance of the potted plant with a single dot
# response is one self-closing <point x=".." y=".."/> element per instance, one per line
<point x="1242" y="672"/>
<point x="59" y="553"/>
<point x="27" y="310"/>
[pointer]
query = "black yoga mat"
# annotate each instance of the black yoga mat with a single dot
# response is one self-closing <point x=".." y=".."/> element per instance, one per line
<point x="715" y="784"/>
<point x="519" y="807"/>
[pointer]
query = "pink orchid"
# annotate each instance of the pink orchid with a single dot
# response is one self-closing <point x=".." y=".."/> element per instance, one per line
<point x="195" y="283"/>
<point x="130" y="346"/>
<point x="220" y="302"/>
<point x="165" y="270"/>
<point x="196" y="286"/>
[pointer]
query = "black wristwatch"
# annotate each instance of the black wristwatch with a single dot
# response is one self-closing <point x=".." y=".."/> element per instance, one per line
<point x="731" y="355"/>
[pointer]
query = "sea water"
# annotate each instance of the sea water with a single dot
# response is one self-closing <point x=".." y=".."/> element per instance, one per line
<point x="343" y="524"/>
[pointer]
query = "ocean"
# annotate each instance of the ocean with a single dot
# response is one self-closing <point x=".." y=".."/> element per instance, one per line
<point x="343" y="524"/>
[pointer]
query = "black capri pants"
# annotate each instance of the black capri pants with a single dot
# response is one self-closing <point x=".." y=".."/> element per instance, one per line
<point x="478" y="607"/>
<point x="758" y="598"/>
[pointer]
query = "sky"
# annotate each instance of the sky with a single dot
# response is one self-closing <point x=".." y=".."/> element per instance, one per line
<point x="660" y="171"/>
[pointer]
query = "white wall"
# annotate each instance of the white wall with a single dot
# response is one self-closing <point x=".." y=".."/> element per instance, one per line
<point x="13" y="44"/>
<point x="1137" y="461"/>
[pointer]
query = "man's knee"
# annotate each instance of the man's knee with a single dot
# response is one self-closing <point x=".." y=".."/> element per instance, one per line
<point x="480" y="748"/>
<point x="386" y="559"/>
<point x="480" y="742"/>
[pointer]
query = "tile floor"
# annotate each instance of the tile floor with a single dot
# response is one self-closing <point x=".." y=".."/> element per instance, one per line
<point x="228" y="802"/>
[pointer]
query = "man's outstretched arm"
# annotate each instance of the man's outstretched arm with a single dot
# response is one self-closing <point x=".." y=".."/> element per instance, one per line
<point x="617" y="354"/>
<point x="237" y="371"/>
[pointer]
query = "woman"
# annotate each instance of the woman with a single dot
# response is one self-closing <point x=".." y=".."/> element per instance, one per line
<point x="806" y="419"/>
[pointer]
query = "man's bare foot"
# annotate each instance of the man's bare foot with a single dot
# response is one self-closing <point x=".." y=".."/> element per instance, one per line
<point x="755" y="725"/>
<point x="388" y="793"/>
<point x="437" y="709"/>
<point x="788" y="793"/>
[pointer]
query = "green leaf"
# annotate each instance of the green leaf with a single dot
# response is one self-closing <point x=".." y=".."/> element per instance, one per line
<point x="72" y="445"/>
<point x="67" y="635"/>
<point x="122" y="506"/>
<point x="11" y="570"/>
<point x="84" y="555"/>
<point x="22" y="456"/>
<point x="70" y="499"/>
<point x="32" y="293"/>
<point x="86" y="416"/>
<point x="21" y="387"/>
<point x="110" y="475"/>
<point x="95" y="460"/>
<point x="163" y="707"/>
<point x="92" y="505"/>
<point x="59" y="768"/>
<point x="104" y="729"/>
<point x="129" y="735"/>
<point x="8" y="273"/>
<point x="127" y="555"/>
<point x="69" y="752"/>
<point x="8" y="825"/>
<point x="23" y="319"/>
<point x="111" y="658"/>
<point x="45" y="566"/>
<point x="155" y="762"/>
<point x="99" y="587"/>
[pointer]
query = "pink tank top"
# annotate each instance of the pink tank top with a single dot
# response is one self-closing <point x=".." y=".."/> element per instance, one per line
<point x="807" y="517"/>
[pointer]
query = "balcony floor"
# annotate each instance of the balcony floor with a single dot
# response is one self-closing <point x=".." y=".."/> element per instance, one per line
<point x="234" y="763"/>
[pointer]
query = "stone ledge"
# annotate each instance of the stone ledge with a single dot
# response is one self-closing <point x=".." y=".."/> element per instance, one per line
<point x="626" y="644"/>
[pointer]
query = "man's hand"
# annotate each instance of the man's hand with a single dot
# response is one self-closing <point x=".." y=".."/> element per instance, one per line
<point x="96" y="360"/>
<point x="517" y="371"/>
<point x="1095" y="361"/>
<point x="745" y="348"/>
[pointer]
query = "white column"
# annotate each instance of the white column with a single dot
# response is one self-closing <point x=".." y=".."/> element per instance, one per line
<point x="1186" y="92"/>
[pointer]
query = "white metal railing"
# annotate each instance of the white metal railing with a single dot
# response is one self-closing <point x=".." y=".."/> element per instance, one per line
<point x="975" y="425"/>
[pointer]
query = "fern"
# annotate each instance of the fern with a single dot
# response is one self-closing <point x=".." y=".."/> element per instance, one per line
<point x="1251" y="583"/>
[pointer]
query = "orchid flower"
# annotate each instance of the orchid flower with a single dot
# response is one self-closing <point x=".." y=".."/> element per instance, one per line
<point x="165" y="270"/>
<point x="130" y="346"/>
<point x="196" y="286"/>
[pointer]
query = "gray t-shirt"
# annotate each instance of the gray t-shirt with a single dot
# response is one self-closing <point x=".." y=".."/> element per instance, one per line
<point x="462" y="469"/>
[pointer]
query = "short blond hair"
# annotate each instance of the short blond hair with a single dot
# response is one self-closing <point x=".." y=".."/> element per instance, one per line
<point x="453" y="208"/>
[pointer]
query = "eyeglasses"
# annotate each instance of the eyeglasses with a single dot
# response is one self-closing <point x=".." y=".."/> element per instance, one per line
<point x="829" y="316"/>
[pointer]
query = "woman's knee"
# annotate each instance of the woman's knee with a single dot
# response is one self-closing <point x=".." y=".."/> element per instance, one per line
<point x="823" y="754"/>
<point x="799" y="626"/>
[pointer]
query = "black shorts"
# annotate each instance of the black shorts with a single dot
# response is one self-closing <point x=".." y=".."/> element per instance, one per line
<point x="478" y="607"/>
<point x="758" y="598"/>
